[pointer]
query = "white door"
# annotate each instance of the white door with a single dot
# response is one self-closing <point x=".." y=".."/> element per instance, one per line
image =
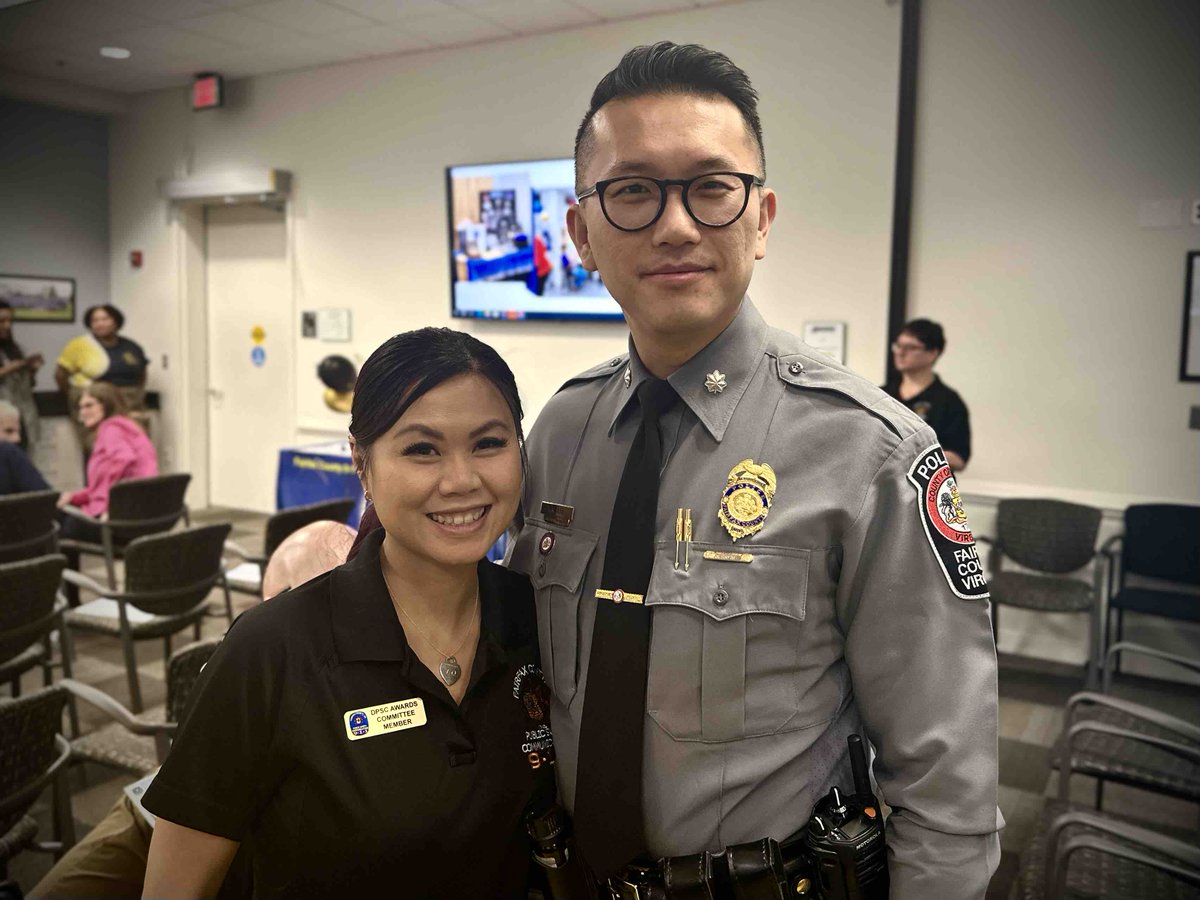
<point x="249" y="353"/>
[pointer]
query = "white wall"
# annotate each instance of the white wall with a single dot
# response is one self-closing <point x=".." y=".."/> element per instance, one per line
<point x="368" y="143"/>
<point x="54" y="213"/>
<point x="1043" y="127"/>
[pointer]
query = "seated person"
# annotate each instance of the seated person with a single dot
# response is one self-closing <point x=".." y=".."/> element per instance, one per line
<point x="121" y="451"/>
<point x="17" y="474"/>
<point x="110" y="861"/>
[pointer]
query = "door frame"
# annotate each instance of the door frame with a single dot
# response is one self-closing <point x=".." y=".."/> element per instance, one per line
<point x="191" y="240"/>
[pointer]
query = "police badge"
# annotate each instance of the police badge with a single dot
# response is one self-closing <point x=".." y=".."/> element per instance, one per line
<point x="747" y="498"/>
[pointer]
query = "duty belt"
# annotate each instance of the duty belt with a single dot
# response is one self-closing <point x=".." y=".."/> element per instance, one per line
<point x="757" y="870"/>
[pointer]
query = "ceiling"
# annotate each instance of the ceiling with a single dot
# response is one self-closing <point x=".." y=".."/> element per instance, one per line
<point x="170" y="40"/>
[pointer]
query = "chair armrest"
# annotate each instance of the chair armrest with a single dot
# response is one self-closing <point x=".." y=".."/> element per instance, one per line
<point x="1149" y="714"/>
<point x="33" y="789"/>
<point x="76" y="513"/>
<point x="80" y="580"/>
<point x="1186" y="662"/>
<point x="243" y="554"/>
<point x="1190" y="752"/>
<point x="115" y="710"/>
<point x="1108" y="547"/>
<point x="983" y="539"/>
<point x="1108" y="826"/>
<point x="1062" y="856"/>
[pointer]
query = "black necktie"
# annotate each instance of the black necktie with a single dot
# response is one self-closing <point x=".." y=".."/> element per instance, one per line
<point x="608" y="794"/>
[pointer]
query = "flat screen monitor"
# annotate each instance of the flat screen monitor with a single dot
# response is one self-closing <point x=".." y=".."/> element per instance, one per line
<point x="510" y="255"/>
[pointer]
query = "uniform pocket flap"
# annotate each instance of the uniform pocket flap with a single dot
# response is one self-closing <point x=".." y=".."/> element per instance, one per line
<point x="773" y="582"/>
<point x="553" y="555"/>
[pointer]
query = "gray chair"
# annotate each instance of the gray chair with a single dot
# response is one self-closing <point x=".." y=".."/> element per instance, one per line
<point x="278" y="528"/>
<point x="1111" y="739"/>
<point x="1050" y="538"/>
<point x="31" y="611"/>
<point x="139" y="743"/>
<point x="33" y="756"/>
<point x="167" y="581"/>
<point x="136" y="508"/>
<point x="28" y="525"/>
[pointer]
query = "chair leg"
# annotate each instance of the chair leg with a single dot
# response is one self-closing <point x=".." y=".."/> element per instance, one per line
<point x="67" y="649"/>
<point x="15" y="685"/>
<point x="135" y="689"/>
<point x="64" y="819"/>
<point x="1120" y="633"/>
<point x="228" y="604"/>
<point x="196" y="630"/>
<point x="1099" y="793"/>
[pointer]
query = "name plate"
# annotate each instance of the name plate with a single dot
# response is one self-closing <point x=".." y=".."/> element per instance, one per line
<point x="372" y="721"/>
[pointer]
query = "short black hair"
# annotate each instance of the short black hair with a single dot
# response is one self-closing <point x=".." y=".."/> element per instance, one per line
<point x="927" y="332"/>
<point x="668" y="68"/>
<point x="117" y="315"/>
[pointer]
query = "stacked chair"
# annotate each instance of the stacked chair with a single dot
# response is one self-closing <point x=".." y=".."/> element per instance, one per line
<point x="1091" y="853"/>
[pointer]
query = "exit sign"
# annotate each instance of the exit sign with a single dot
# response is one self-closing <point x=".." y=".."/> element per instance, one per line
<point x="208" y="91"/>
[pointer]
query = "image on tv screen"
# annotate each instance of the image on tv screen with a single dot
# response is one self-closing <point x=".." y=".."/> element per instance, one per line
<point x="510" y="254"/>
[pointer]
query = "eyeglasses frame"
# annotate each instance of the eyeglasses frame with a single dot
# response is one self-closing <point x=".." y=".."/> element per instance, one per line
<point x="664" y="184"/>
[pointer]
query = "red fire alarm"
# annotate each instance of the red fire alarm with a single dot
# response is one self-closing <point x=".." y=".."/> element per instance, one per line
<point x="135" y="258"/>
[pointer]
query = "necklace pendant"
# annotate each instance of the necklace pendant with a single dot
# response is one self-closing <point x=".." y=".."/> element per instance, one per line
<point x="450" y="670"/>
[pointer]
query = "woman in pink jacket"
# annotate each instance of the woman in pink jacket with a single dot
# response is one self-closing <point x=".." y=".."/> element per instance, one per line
<point x="121" y="451"/>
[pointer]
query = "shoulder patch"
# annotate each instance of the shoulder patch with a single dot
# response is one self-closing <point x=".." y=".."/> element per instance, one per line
<point x="601" y="370"/>
<point x="945" y="524"/>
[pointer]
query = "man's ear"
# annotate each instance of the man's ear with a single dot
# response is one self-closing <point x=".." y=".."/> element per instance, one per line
<point x="578" y="229"/>
<point x="766" y="215"/>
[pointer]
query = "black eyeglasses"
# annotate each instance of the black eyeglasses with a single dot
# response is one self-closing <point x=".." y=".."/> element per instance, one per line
<point x="715" y="199"/>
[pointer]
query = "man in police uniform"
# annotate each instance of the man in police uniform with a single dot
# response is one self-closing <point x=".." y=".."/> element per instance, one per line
<point x="813" y="574"/>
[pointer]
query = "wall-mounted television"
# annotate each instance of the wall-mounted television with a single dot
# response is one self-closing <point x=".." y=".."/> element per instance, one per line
<point x="510" y="255"/>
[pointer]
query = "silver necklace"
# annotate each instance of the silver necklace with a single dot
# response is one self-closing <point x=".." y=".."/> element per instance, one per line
<point x="449" y="669"/>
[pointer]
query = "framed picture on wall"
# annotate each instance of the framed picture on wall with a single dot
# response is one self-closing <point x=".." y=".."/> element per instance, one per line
<point x="39" y="298"/>
<point x="1189" y="358"/>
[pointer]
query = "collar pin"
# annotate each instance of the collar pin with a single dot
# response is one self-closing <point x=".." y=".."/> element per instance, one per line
<point x="714" y="382"/>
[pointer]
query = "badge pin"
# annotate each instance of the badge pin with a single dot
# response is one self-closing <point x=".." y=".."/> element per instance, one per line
<point x="714" y="382"/>
<point x="747" y="498"/>
<point x="559" y="514"/>
<point x="546" y="544"/>
<point x="628" y="378"/>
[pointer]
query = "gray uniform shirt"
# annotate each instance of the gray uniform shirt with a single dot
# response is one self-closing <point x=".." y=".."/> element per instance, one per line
<point x="850" y="616"/>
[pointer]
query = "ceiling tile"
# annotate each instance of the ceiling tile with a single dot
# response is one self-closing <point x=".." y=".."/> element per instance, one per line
<point x="83" y="15"/>
<point x="393" y="10"/>
<point x="381" y="40"/>
<point x="158" y="10"/>
<point x="307" y="16"/>
<point x="533" y="16"/>
<point x="617" y="9"/>
<point x="233" y="27"/>
<point x="166" y="41"/>
<point x="457" y="27"/>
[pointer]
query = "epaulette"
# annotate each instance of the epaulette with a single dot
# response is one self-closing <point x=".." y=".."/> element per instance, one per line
<point x="601" y="370"/>
<point x="809" y="370"/>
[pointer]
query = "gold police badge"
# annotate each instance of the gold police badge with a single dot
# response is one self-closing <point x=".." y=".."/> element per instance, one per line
<point x="747" y="498"/>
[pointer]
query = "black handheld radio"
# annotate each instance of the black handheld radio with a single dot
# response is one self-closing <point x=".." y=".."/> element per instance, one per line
<point x="842" y="853"/>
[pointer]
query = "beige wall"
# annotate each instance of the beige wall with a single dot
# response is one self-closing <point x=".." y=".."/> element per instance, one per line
<point x="1043" y="128"/>
<point x="368" y="143"/>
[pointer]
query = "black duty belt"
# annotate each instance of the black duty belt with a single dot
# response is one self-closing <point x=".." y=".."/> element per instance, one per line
<point x="758" y="870"/>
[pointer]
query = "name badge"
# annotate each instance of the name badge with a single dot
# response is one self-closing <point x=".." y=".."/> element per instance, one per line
<point x="372" y="721"/>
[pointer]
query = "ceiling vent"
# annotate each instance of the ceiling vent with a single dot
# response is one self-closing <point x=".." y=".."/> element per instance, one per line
<point x="270" y="186"/>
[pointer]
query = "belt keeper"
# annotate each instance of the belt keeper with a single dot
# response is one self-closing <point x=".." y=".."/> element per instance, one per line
<point x="756" y="870"/>
<point x="688" y="877"/>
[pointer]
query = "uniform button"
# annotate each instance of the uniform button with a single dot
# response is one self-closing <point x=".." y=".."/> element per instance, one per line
<point x="795" y="368"/>
<point x="615" y="362"/>
<point x="721" y="597"/>
<point x="542" y="568"/>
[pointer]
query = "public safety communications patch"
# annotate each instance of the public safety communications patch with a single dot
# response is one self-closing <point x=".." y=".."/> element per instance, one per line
<point x="945" y="524"/>
<point x="530" y="689"/>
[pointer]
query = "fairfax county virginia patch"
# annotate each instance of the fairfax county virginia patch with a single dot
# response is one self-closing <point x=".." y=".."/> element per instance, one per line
<point x="945" y="524"/>
<point x="531" y="691"/>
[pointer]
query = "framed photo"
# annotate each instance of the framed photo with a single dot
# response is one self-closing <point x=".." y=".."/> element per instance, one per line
<point x="39" y="298"/>
<point x="1189" y="358"/>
